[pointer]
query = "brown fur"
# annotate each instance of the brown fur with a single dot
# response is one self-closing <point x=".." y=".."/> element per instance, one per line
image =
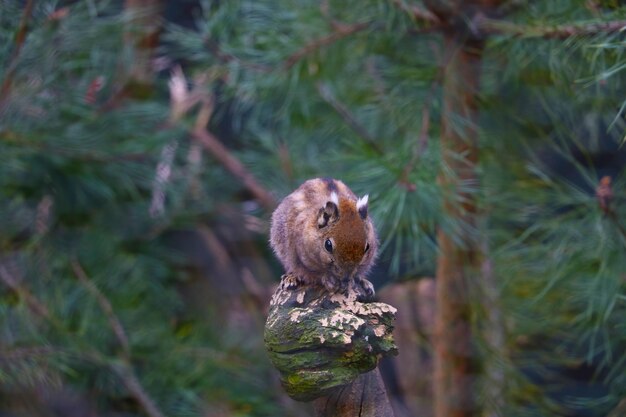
<point x="303" y="222"/>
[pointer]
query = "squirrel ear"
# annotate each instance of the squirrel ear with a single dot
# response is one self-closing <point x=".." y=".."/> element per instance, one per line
<point x="327" y="213"/>
<point x="361" y="206"/>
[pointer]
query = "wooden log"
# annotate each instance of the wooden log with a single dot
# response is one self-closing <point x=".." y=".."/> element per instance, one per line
<point x="365" y="397"/>
<point x="327" y="346"/>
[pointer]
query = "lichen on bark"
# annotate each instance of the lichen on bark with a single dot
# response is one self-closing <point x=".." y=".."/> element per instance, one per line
<point x="320" y="341"/>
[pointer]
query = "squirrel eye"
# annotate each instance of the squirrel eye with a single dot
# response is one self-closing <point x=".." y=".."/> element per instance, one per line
<point x="328" y="245"/>
<point x="367" y="247"/>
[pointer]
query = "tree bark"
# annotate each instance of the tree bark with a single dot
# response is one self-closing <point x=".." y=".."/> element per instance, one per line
<point x="327" y="347"/>
<point x="494" y="332"/>
<point x="365" y="397"/>
<point x="459" y="252"/>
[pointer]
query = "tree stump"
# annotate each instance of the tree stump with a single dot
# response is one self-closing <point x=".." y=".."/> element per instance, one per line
<point x="327" y="346"/>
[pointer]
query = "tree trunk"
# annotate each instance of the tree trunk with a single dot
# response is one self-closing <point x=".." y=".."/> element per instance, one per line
<point x="459" y="252"/>
<point x="327" y="347"/>
<point x="365" y="397"/>
<point x="494" y="333"/>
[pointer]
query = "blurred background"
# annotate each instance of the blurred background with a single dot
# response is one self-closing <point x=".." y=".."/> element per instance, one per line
<point x="145" y="143"/>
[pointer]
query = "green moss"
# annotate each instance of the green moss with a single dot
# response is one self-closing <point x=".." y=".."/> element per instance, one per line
<point x="318" y="345"/>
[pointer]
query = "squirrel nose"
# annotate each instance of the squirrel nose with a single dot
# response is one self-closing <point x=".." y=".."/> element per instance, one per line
<point x="348" y="274"/>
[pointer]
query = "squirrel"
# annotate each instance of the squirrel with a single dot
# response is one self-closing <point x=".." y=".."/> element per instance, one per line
<point x="322" y="234"/>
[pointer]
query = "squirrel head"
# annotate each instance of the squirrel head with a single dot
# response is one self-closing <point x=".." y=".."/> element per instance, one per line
<point x="347" y="239"/>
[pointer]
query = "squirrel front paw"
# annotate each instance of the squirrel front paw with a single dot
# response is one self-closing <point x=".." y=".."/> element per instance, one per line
<point x="290" y="281"/>
<point x="368" y="289"/>
<point x="363" y="288"/>
<point x="333" y="284"/>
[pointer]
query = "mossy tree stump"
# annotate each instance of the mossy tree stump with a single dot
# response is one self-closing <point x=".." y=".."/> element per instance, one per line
<point x="327" y="346"/>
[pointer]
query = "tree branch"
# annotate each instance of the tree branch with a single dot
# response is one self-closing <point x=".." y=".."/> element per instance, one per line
<point x="124" y="369"/>
<point x="181" y="101"/>
<point x="130" y="380"/>
<point x="341" y="31"/>
<point x="13" y="138"/>
<point x="211" y="144"/>
<point x="26" y="353"/>
<point x="417" y="13"/>
<point x="20" y="37"/>
<point x="348" y="117"/>
<point x="422" y="139"/>
<point x="33" y="304"/>
<point x="105" y="305"/>
<point x="227" y="57"/>
<point x="499" y="27"/>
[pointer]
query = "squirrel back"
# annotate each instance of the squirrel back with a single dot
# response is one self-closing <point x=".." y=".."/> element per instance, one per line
<point x="322" y="234"/>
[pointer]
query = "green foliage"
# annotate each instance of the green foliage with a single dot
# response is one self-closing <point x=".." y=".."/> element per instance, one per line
<point x="76" y="187"/>
<point x="253" y="47"/>
<point x="560" y="255"/>
<point x="557" y="255"/>
<point x="346" y="89"/>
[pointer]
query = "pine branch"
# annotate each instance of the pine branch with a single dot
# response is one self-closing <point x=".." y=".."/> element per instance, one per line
<point x="348" y="118"/>
<point x="33" y="304"/>
<point x="20" y="37"/>
<point x="341" y="31"/>
<point x="606" y="202"/>
<point x="234" y="166"/>
<point x="26" y="353"/>
<point x="181" y="101"/>
<point x="212" y="145"/>
<point x="127" y="375"/>
<point x="12" y="138"/>
<point x="227" y="58"/>
<point x="163" y="172"/>
<point x="422" y="139"/>
<point x="124" y="369"/>
<point x="482" y="25"/>
<point x="105" y="305"/>
<point x="417" y="13"/>
<point x="616" y="221"/>
<point x="499" y="27"/>
<point x="142" y="35"/>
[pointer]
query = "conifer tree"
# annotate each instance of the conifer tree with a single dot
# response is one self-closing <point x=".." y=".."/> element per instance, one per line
<point x="489" y="135"/>
<point x="100" y="186"/>
<point x="487" y="97"/>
